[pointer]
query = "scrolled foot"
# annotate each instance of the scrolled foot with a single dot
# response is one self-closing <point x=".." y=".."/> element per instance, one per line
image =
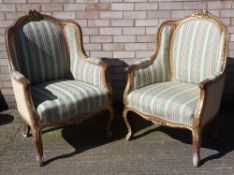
<point x="129" y="136"/>
<point x="111" y="117"/>
<point x="196" y="160"/>
<point x="25" y="135"/>
<point x="125" y="116"/>
<point x="25" y="129"/>
<point x="40" y="161"/>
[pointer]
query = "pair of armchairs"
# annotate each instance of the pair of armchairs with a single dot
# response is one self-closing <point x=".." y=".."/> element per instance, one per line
<point x="55" y="83"/>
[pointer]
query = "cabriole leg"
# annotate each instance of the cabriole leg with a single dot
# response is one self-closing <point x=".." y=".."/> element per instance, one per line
<point x="125" y="116"/>
<point x="111" y="117"/>
<point x="25" y="129"/>
<point x="196" y="146"/>
<point x="39" y="147"/>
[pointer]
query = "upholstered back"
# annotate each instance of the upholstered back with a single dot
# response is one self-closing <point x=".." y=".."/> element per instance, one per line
<point x="197" y="50"/>
<point x="160" y="70"/>
<point x="162" y="59"/>
<point x="72" y="34"/>
<point x="40" y="51"/>
<point x="81" y="68"/>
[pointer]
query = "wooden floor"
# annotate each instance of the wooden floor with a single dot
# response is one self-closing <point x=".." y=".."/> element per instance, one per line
<point x="83" y="149"/>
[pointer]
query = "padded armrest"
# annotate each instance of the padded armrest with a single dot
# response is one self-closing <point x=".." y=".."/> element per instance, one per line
<point x="205" y="83"/>
<point x="19" y="77"/>
<point x="22" y="91"/>
<point x="210" y="97"/>
<point x="142" y="63"/>
<point x="94" y="72"/>
<point x="136" y="74"/>
<point x="97" y="61"/>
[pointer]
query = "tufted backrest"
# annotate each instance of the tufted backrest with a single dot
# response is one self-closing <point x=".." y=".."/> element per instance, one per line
<point x="197" y="50"/>
<point x="40" y="51"/>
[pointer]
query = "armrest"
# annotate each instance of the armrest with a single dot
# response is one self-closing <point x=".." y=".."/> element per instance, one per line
<point x="93" y="71"/>
<point x="205" y="83"/>
<point x="140" y="64"/>
<point x="96" y="61"/>
<point x="22" y="91"/>
<point x="211" y="91"/>
<point x="137" y="75"/>
<point x="17" y="76"/>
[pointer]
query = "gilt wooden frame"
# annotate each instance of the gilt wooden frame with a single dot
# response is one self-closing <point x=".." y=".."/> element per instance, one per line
<point x="197" y="123"/>
<point x="33" y="121"/>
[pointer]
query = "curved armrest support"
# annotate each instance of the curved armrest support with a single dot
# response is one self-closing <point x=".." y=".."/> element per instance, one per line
<point x="140" y="69"/>
<point x="210" y="98"/>
<point x="207" y="82"/>
<point x="22" y="91"/>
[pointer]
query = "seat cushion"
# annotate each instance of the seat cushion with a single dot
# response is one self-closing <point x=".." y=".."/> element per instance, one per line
<point x="172" y="101"/>
<point x="59" y="100"/>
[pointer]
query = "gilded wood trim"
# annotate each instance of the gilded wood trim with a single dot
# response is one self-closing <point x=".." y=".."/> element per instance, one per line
<point x="128" y="88"/>
<point x="157" y="119"/>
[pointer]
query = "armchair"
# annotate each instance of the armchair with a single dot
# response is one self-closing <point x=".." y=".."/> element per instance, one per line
<point x="181" y="84"/>
<point x="54" y="82"/>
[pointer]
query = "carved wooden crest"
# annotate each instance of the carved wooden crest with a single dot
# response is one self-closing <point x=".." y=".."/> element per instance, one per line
<point x="34" y="15"/>
<point x="202" y="13"/>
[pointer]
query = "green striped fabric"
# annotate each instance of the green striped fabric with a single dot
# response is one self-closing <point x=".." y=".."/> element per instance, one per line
<point x="171" y="100"/>
<point x="60" y="100"/>
<point x="159" y="70"/>
<point x="81" y="69"/>
<point x="41" y="51"/>
<point x="197" y="50"/>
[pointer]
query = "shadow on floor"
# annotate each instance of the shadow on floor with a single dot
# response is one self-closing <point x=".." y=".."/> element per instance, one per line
<point x="219" y="136"/>
<point x="5" y="119"/>
<point x="90" y="134"/>
<point x="3" y="104"/>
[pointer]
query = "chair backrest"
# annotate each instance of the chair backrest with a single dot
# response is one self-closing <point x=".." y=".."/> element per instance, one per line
<point x="161" y="63"/>
<point x="38" y="48"/>
<point x="198" y="48"/>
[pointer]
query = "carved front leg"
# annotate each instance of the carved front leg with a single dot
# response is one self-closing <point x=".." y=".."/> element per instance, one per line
<point x="196" y="134"/>
<point x="108" y="131"/>
<point x="25" y="129"/>
<point x="39" y="147"/>
<point x="125" y="116"/>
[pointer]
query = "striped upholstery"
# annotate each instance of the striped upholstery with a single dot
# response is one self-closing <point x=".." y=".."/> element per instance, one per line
<point x="60" y="100"/>
<point x="41" y="51"/>
<point x="81" y="69"/>
<point x="159" y="70"/>
<point x="196" y="51"/>
<point x="171" y="100"/>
